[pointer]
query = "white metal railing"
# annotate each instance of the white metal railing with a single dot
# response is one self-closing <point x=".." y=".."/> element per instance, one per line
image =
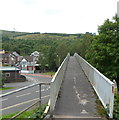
<point x="24" y="88"/>
<point x="101" y="84"/>
<point x="56" y="83"/>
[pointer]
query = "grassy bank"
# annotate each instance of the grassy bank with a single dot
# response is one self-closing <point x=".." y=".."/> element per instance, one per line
<point x="32" y="113"/>
<point x="48" y="73"/>
<point x="6" y="88"/>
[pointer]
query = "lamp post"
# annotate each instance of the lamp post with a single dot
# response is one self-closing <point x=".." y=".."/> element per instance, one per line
<point x="58" y="60"/>
<point x="118" y="9"/>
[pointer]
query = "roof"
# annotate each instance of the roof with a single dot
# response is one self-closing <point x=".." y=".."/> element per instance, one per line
<point x="9" y="69"/>
<point x="29" y="58"/>
<point x="16" y="54"/>
<point x="5" y="55"/>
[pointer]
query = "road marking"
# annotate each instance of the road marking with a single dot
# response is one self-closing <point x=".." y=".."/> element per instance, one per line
<point x="78" y="96"/>
<point x="83" y="102"/>
<point x="74" y="79"/>
<point x="22" y="103"/>
<point x="37" y="91"/>
<point x="84" y="112"/>
<point x="3" y="100"/>
<point x="43" y="90"/>
<point x="23" y="95"/>
<point x="74" y="87"/>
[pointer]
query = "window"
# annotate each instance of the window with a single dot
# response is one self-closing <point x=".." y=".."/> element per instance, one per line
<point x="7" y="74"/>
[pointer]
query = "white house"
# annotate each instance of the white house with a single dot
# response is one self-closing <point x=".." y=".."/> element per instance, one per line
<point x="27" y="64"/>
<point x="35" y="55"/>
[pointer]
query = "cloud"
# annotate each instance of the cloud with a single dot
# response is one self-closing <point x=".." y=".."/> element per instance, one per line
<point x="69" y="16"/>
<point x="53" y="12"/>
<point x="27" y="2"/>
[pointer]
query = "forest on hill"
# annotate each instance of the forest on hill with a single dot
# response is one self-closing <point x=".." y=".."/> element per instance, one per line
<point x="102" y="50"/>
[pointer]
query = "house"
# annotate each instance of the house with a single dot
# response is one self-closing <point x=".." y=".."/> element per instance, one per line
<point x="35" y="55"/>
<point x="12" y="74"/>
<point x="27" y="64"/>
<point x="1" y="53"/>
<point x="10" y="59"/>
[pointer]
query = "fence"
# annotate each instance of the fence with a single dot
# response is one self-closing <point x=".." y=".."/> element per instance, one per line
<point x="102" y="85"/>
<point x="56" y="83"/>
<point x="24" y="88"/>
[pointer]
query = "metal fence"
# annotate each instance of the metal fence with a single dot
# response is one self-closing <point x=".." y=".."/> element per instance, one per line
<point x="56" y="83"/>
<point x="24" y="88"/>
<point x="101" y="84"/>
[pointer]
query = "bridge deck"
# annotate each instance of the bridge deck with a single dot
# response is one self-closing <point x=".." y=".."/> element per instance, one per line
<point x="77" y="98"/>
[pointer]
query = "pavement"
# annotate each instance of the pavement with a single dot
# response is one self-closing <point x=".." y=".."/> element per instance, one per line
<point x="76" y="98"/>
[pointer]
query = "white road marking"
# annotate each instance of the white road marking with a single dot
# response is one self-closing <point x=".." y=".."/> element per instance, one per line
<point x="84" y="112"/>
<point x="78" y="96"/>
<point x="37" y="91"/>
<point x="43" y="90"/>
<point x="1" y="100"/>
<point x="32" y="79"/>
<point x="74" y="79"/>
<point x="83" y="102"/>
<point x="74" y="87"/>
<point x="23" y="95"/>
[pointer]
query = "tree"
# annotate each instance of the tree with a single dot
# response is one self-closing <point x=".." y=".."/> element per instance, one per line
<point x="104" y="50"/>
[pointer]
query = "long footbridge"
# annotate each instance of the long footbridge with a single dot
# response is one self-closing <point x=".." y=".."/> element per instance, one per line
<point x="75" y="88"/>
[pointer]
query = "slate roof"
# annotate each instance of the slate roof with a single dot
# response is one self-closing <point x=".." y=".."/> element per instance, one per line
<point x="29" y="58"/>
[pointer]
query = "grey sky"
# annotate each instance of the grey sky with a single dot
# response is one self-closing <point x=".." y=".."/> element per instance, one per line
<point x="62" y="16"/>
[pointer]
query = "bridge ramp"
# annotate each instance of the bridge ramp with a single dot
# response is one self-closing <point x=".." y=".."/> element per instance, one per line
<point x="76" y="98"/>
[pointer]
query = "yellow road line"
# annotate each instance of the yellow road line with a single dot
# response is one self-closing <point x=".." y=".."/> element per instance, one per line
<point x="22" y="103"/>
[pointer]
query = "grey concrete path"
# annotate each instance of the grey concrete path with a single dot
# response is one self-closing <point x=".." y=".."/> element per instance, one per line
<point x="77" y="98"/>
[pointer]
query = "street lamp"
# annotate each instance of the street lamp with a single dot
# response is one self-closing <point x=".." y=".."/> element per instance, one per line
<point x="58" y="60"/>
<point x="118" y="9"/>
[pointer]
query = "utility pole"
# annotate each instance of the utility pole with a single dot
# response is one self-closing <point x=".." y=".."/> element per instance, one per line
<point x="118" y="9"/>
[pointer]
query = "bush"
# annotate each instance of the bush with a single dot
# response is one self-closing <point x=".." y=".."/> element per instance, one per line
<point x="38" y="115"/>
<point x="116" y="107"/>
<point x="2" y="79"/>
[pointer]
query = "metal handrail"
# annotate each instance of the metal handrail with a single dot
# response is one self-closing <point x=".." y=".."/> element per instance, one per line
<point x="23" y="88"/>
<point x="26" y="87"/>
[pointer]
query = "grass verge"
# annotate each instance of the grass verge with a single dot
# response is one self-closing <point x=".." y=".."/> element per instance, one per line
<point x="6" y="88"/>
<point x="33" y="113"/>
<point x="101" y="110"/>
<point x="48" y="73"/>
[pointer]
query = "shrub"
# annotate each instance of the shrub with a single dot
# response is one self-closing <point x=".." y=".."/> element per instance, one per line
<point x="116" y="107"/>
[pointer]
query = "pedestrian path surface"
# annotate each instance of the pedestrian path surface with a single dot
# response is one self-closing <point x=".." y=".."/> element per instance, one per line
<point x="77" y="98"/>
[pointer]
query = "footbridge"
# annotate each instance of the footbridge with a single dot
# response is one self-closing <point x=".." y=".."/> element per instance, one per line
<point x="75" y="88"/>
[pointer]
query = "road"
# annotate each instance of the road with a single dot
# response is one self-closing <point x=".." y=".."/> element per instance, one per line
<point x="20" y="100"/>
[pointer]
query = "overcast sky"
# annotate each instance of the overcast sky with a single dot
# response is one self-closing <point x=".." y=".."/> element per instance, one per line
<point x="57" y="16"/>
